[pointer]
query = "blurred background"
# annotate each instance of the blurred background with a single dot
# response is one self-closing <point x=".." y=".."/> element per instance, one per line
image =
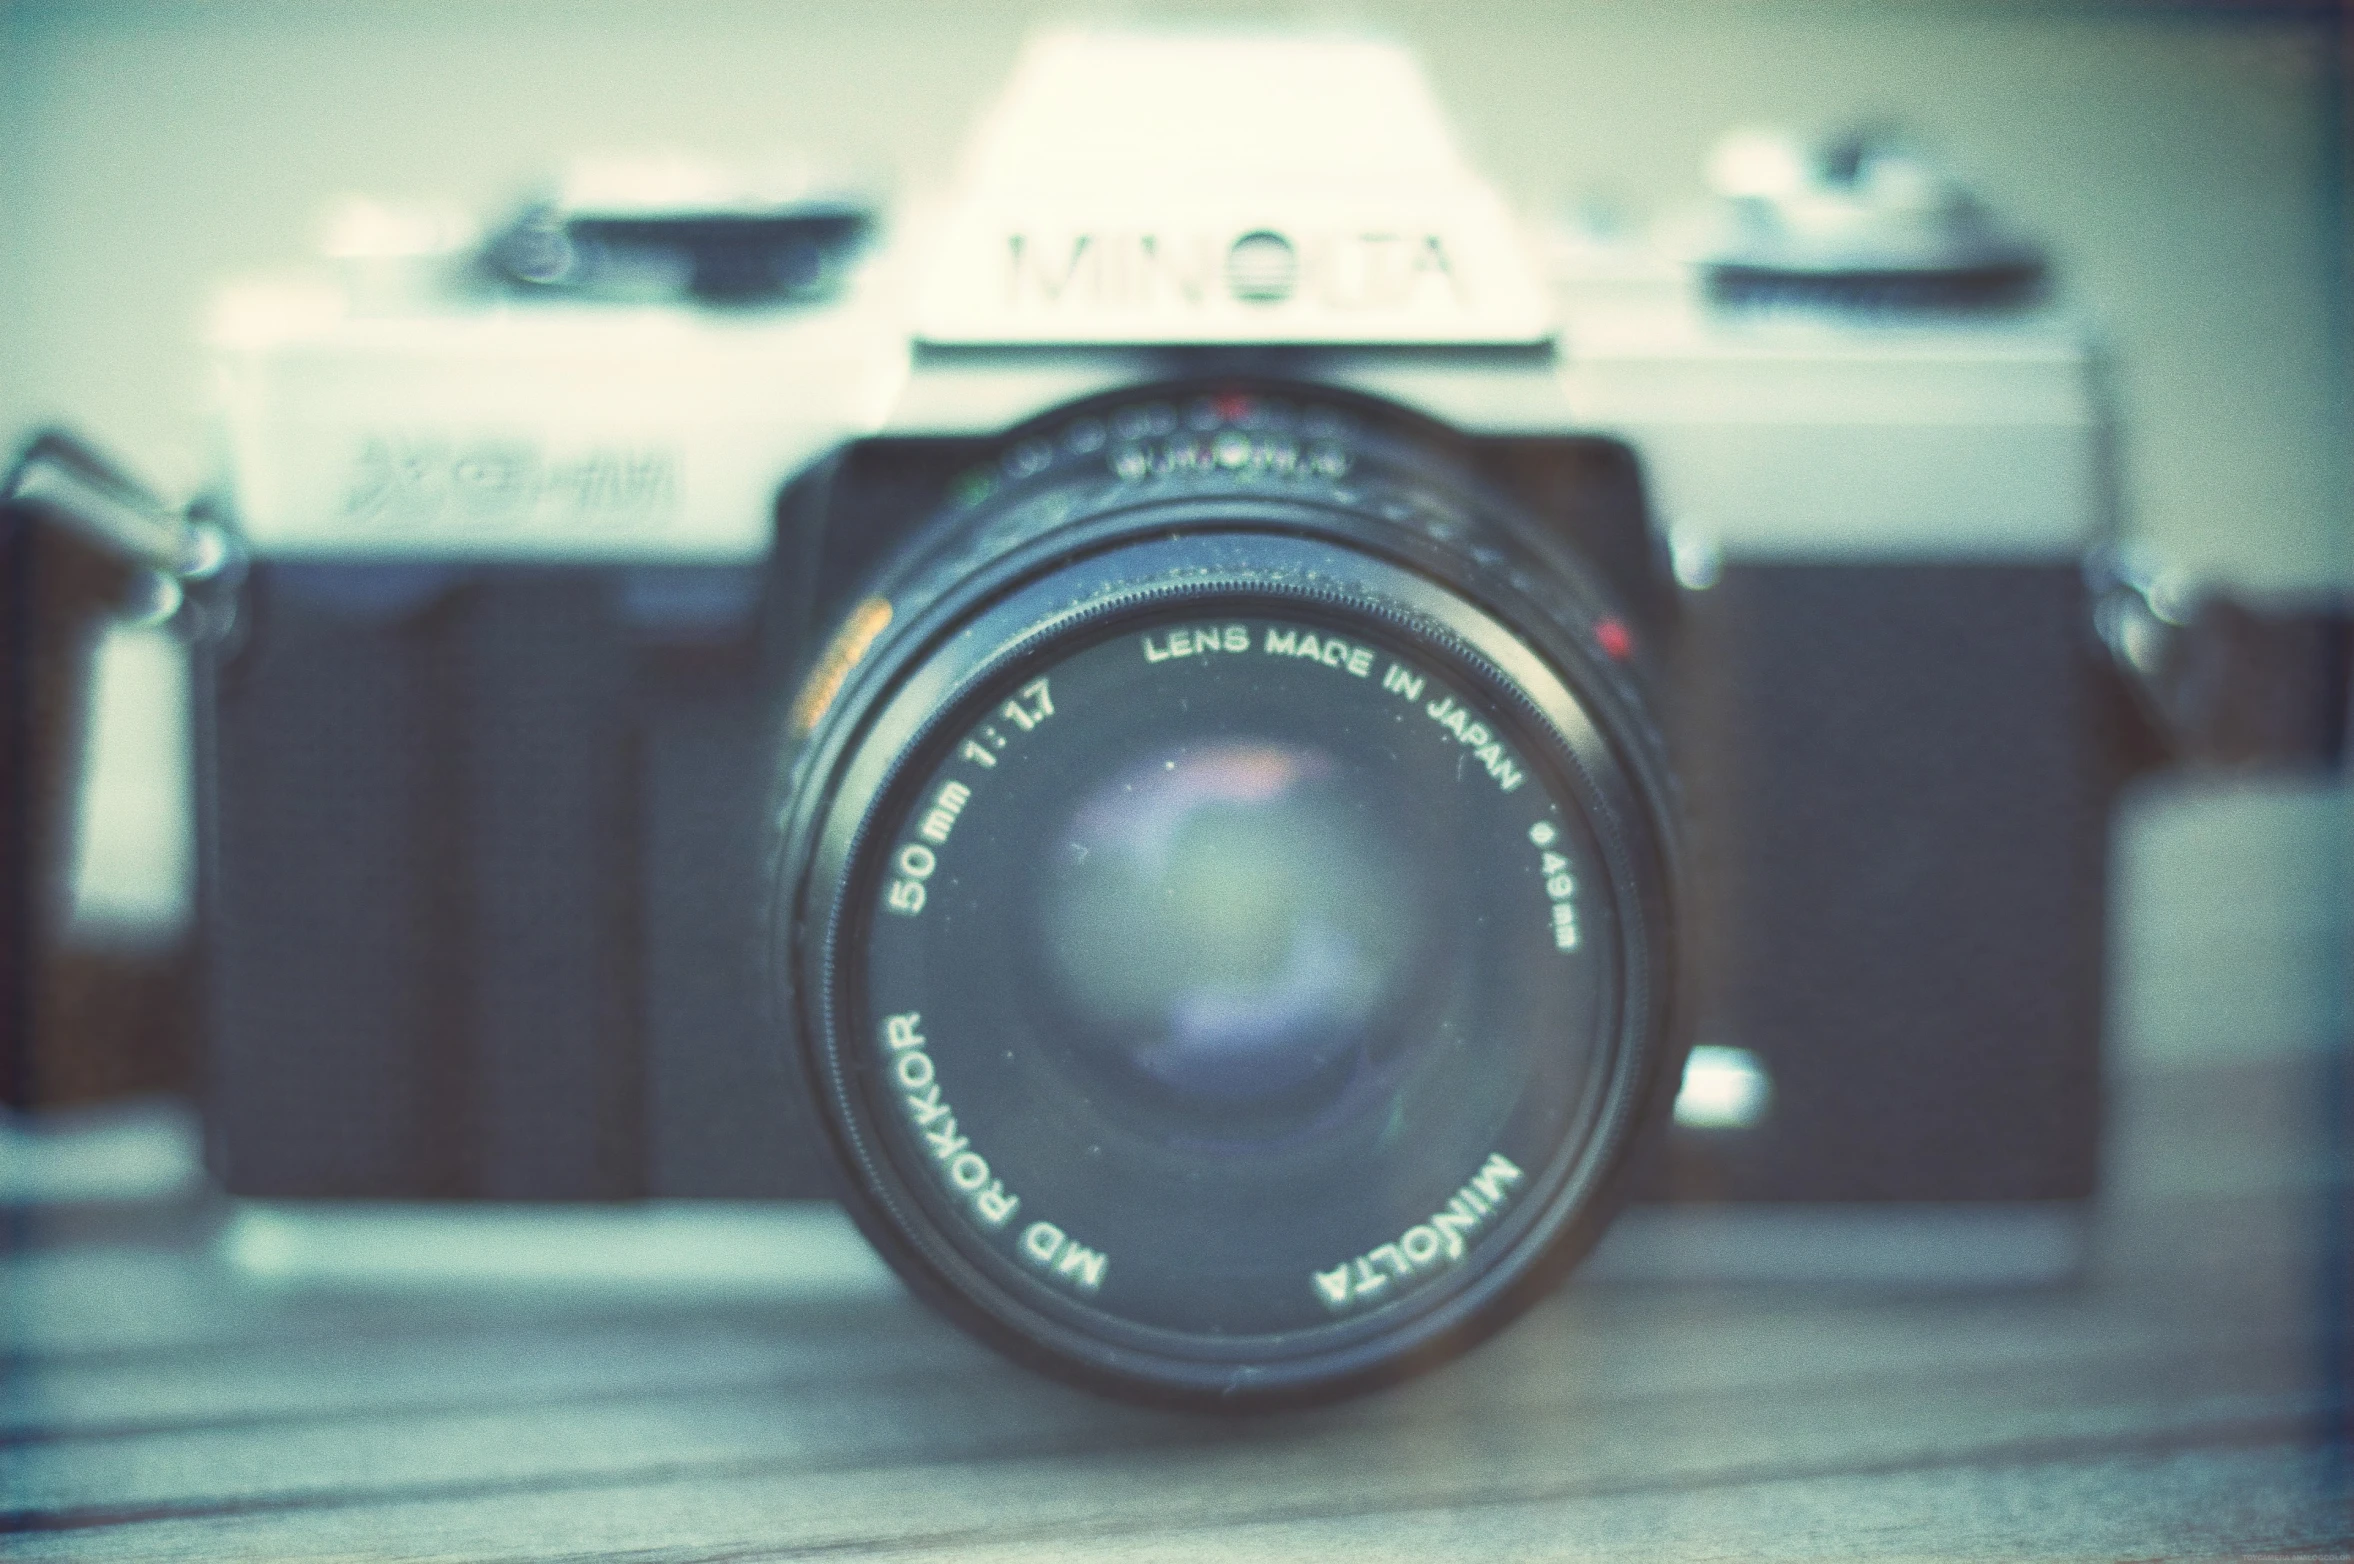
<point x="2187" y="164"/>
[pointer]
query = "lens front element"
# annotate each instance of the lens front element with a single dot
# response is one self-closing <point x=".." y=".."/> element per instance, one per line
<point x="1229" y="918"/>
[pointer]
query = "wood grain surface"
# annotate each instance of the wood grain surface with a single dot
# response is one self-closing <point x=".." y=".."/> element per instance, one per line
<point x="2186" y="1398"/>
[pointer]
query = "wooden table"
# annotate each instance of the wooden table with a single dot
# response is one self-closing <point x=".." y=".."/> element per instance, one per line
<point x="184" y="1382"/>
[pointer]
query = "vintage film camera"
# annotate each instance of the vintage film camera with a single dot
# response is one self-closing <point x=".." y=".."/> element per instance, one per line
<point x="1195" y="735"/>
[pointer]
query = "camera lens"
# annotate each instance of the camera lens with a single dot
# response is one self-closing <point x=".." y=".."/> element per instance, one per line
<point x="1232" y="959"/>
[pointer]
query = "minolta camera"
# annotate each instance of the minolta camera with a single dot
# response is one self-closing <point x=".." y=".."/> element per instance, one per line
<point x="1232" y="747"/>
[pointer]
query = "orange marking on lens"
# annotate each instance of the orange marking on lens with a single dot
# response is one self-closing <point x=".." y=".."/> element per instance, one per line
<point x="849" y="644"/>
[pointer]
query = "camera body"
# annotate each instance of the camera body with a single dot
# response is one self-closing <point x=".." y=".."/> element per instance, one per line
<point x="489" y="772"/>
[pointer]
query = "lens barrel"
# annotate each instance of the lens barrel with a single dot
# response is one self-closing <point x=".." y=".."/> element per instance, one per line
<point x="1225" y="900"/>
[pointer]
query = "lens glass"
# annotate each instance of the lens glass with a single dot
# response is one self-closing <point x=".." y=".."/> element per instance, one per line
<point x="1233" y="929"/>
<point x="1233" y="975"/>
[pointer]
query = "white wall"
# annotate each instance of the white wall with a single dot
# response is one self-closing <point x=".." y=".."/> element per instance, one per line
<point x="2177" y="161"/>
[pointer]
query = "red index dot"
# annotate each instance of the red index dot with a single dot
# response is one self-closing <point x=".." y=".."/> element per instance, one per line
<point x="1232" y="407"/>
<point x="1616" y="641"/>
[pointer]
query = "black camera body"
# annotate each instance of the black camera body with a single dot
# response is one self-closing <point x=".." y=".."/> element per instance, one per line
<point x="567" y="620"/>
<point x="484" y="876"/>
